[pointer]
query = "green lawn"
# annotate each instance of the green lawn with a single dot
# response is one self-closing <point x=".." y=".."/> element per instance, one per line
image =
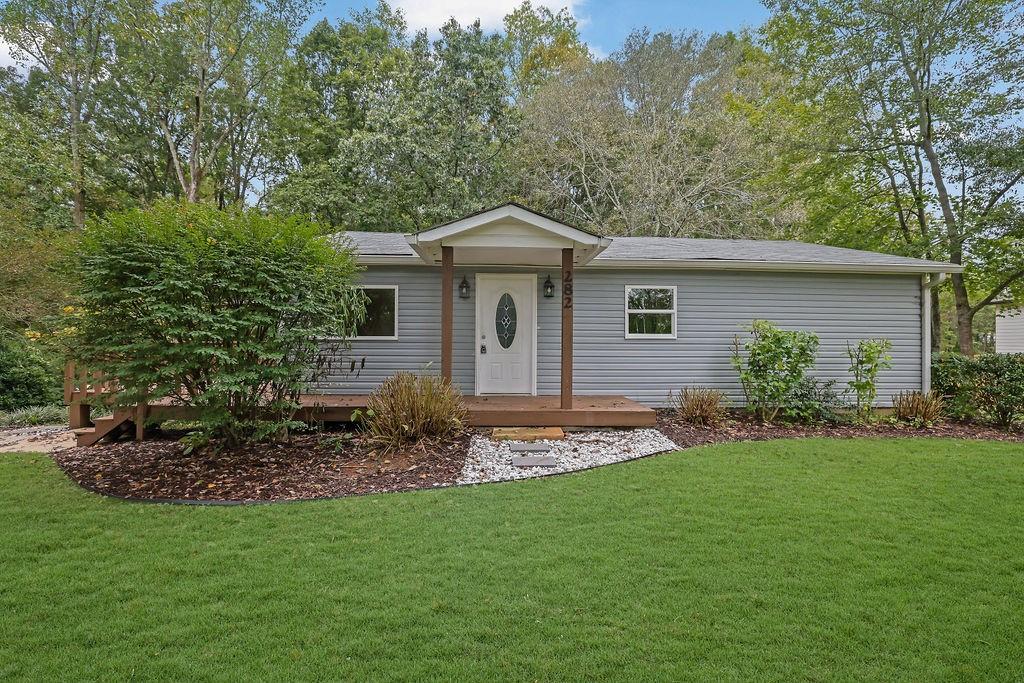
<point x="786" y="560"/>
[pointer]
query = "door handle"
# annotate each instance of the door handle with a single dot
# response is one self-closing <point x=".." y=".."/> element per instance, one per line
<point x="483" y="348"/>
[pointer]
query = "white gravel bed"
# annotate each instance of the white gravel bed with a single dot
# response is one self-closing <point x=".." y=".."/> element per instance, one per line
<point x="490" y="460"/>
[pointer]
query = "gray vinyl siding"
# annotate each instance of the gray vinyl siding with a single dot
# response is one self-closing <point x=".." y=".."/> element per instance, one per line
<point x="1010" y="330"/>
<point x="419" y="335"/>
<point x="712" y="307"/>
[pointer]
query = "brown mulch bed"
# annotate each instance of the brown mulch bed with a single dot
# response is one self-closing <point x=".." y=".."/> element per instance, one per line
<point x="333" y="465"/>
<point x="310" y="467"/>
<point x="743" y="427"/>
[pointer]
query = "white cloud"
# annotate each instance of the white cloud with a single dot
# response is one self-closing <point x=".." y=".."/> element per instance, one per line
<point x="432" y="14"/>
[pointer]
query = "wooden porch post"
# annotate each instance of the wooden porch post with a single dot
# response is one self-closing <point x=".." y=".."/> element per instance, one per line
<point x="447" y="280"/>
<point x="567" y="281"/>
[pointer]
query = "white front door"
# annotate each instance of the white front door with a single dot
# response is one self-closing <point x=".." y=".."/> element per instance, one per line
<point x="506" y="333"/>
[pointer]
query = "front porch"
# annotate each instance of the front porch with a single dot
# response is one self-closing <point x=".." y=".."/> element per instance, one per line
<point x="507" y="411"/>
<point x="483" y="411"/>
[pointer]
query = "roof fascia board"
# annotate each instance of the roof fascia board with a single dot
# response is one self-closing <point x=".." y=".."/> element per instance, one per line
<point x="509" y="211"/>
<point x="798" y="266"/>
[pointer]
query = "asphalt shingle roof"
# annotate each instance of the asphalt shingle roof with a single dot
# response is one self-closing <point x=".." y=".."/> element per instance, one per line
<point x="668" y="249"/>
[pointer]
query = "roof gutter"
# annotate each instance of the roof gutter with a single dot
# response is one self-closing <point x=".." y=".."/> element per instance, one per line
<point x="790" y="266"/>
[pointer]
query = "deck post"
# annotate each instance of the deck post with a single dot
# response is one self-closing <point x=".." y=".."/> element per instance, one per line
<point x="447" y="292"/>
<point x="567" y="297"/>
<point x="141" y="413"/>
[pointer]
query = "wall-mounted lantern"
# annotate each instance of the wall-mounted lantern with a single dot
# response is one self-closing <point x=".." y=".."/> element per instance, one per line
<point x="464" y="288"/>
<point x="549" y="288"/>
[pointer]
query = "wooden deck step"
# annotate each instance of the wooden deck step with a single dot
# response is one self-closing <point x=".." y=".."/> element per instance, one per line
<point x="527" y="433"/>
<point x="102" y="426"/>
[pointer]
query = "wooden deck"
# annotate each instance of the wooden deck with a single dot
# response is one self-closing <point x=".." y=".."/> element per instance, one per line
<point x="81" y="388"/>
<point x="484" y="411"/>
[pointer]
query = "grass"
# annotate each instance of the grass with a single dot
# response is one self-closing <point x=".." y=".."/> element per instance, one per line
<point x="34" y="416"/>
<point x="807" y="560"/>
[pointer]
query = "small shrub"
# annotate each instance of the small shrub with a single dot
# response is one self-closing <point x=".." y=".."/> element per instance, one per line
<point x="814" y="402"/>
<point x="34" y="416"/>
<point x="999" y="387"/>
<point x="920" y="410"/>
<point x="408" y="409"/>
<point x="700" y="406"/>
<point x="775" y="364"/>
<point x="868" y="358"/>
<point x="953" y="380"/>
<point x="26" y="377"/>
<point x="989" y="387"/>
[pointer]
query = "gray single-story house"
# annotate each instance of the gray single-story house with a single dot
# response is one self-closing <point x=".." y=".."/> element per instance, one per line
<point x="512" y="302"/>
<point x="1009" y="328"/>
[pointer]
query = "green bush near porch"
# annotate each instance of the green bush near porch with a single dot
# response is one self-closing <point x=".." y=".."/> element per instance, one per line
<point x="227" y="307"/>
<point x="788" y="560"/>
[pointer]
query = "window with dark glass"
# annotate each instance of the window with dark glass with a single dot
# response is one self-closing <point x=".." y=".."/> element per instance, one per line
<point x="505" y="320"/>
<point x="650" y="311"/>
<point x="381" y="313"/>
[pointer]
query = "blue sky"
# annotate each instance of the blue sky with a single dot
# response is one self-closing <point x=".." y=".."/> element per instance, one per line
<point x="603" y="23"/>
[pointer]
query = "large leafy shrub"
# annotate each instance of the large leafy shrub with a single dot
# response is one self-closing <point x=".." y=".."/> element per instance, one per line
<point x="222" y="309"/>
<point x="989" y="387"/>
<point x="867" y="359"/>
<point x="407" y="409"/>
<point x="772" y="364"/>
<point x="27" y="377"/>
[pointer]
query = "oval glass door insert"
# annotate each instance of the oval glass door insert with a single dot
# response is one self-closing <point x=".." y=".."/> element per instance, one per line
<point x="505" y="320"/>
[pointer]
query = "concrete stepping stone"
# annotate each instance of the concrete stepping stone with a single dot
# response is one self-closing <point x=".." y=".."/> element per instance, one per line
<point x="529" y="447"/>
<point x="533" y="461"/>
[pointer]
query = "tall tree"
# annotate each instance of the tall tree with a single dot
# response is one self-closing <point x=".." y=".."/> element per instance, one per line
<point x="34" y="217"/>
<point x="648" y="142"/>
<point x="327" y="89"/>
<point x="204" y="72"/>
<point x="70" y="41"/>
<point x="920" y="101"/>
<point x="421" y="137"/>
<point x="539" y="43"/>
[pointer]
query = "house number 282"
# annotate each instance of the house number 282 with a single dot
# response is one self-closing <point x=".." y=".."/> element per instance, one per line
<point x="567" y="289"/>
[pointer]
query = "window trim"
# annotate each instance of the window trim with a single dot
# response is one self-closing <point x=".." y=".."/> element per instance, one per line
<point x="672" y="311"/>
<point x="384" y="338"/>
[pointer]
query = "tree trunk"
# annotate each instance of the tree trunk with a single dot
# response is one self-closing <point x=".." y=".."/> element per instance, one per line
<point x="964" y="315"/>
<point x="936" y="323"/>
<point x="78" y="180"/>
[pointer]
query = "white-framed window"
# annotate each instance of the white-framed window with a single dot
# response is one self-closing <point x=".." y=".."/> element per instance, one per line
<point x="650" y="312"/>
<point x="381" y="313"/>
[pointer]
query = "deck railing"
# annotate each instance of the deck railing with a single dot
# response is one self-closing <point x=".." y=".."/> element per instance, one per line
<point x="83" y="388"/>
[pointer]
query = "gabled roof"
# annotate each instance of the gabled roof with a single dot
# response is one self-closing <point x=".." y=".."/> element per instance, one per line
<point x="507" y="234"/>
<point x="639" y="252"/>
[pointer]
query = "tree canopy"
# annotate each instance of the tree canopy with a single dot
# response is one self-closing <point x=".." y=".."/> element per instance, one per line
<point x="893" y="126"/>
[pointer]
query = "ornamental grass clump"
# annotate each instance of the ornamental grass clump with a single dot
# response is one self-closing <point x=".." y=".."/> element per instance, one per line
<point x="919" y="409"/>
<point x="700" y="406"/>
<point x="222" y="310"/>
<point x="406" y="411"/>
